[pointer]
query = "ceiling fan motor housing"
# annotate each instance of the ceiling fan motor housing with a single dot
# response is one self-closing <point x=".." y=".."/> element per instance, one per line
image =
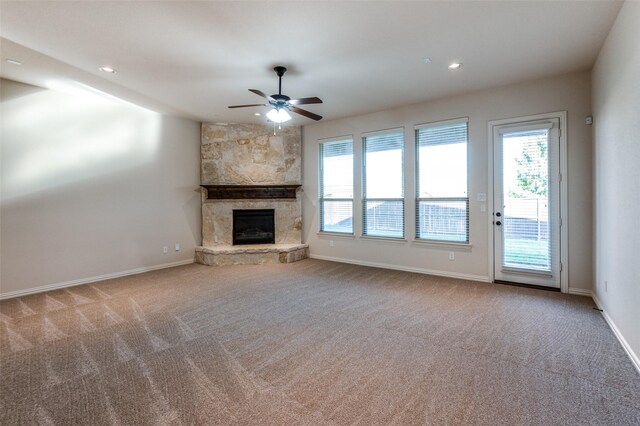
<point x="280" y="100"/>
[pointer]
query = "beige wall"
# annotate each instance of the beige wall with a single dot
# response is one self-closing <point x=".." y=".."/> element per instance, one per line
<point x="92" y="186"/>
<point x="568" y="92"/>
<point x="616" y="107"/>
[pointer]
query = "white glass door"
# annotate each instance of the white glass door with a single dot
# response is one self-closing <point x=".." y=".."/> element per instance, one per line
<point x="526" y="214"/>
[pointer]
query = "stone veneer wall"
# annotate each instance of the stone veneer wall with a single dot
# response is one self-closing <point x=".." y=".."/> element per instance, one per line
<point x="250" y="154"/>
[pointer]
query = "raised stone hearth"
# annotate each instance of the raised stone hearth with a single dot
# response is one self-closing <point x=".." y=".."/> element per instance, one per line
<point x="256" y="254"/>
<point x="247" y="167"/>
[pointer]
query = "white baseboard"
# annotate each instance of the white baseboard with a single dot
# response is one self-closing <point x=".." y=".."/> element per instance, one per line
<point x="73" y="283"/>
<point x="403" y="268"/>
<point x="635" y="360"/>
<point x="580" y="292"/>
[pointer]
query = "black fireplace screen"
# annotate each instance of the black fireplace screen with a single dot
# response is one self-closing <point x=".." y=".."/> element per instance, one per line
<point x="253" y="227"/>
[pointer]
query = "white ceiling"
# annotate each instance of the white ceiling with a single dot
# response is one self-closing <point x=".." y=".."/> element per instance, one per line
<point x="195" y="58"/>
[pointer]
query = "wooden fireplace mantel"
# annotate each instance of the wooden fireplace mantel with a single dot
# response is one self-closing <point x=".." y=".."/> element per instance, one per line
<point x="250" y="192"/>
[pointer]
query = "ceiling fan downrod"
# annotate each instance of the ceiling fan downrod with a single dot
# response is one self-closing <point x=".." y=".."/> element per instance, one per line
<point x="280" y="72"/>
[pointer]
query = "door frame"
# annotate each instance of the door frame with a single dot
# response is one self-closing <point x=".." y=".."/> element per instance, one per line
<point x="564" y="234"/>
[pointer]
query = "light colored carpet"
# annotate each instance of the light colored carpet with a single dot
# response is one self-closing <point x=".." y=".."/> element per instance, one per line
<point x="312" y="342"/>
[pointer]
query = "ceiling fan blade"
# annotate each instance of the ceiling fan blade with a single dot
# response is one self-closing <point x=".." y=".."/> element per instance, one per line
<point x="304" y="101"/>
<point x="306" y="113"/>
<point x="259" y="93"/>
<point x="245" y="106"/>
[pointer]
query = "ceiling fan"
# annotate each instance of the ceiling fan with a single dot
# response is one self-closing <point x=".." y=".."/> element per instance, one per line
<point x="282" y="103"/>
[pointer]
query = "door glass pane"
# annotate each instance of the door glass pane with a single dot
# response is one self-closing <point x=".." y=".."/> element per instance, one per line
<point x="525" y="191"/>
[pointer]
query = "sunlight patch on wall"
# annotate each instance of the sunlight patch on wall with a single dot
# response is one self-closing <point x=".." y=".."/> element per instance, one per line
<point x="72" y="134"/>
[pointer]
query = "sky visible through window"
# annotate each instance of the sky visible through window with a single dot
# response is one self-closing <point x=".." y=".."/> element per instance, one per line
<point x="338" y="176"/>
<point x="443" y="170"/>
<point x="384" y="174"/>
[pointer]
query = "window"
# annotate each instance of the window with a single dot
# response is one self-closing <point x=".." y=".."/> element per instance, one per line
<point x="383" y="185"/>
<point x="336" y="186"/>
<point x="442" y="202"/>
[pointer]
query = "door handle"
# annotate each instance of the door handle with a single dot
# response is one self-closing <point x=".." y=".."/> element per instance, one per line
<point x="498" y="214"/>
<point x="498" y="223"/>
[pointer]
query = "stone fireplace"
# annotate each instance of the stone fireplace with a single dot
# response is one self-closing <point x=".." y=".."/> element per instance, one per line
<point x="245" y="167"/>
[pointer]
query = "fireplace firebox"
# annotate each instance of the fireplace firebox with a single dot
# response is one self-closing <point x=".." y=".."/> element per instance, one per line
<point x="255" y="226"/>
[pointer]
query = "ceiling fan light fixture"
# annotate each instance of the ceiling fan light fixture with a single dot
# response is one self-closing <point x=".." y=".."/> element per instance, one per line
<point x="278" y="115"/>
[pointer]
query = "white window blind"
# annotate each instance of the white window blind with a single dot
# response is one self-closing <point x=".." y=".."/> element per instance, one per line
<point x="336" y="186"/>
<point x="442" y="201"/>
<point x="383" y="185"/>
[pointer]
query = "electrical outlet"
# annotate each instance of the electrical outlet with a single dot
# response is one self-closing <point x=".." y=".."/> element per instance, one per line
<point x="452" y="256"/>
<point x="177" y="247"/>
<point x="331" y="243"/>
<point x="165" y="249"/>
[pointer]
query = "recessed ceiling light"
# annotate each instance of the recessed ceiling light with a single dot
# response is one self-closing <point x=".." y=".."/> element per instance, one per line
<point x="455" y="66"/>
<point x="14" y="62"/>
<point x="108" y="69"/>
<point x="257" y="114"/>
<point x="426" y="60"/>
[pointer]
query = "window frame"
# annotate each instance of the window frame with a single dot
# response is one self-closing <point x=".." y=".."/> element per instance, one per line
<point x="418" y="199"/>
<point x="321" y="199"/>
<point x="365" y="199"/>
